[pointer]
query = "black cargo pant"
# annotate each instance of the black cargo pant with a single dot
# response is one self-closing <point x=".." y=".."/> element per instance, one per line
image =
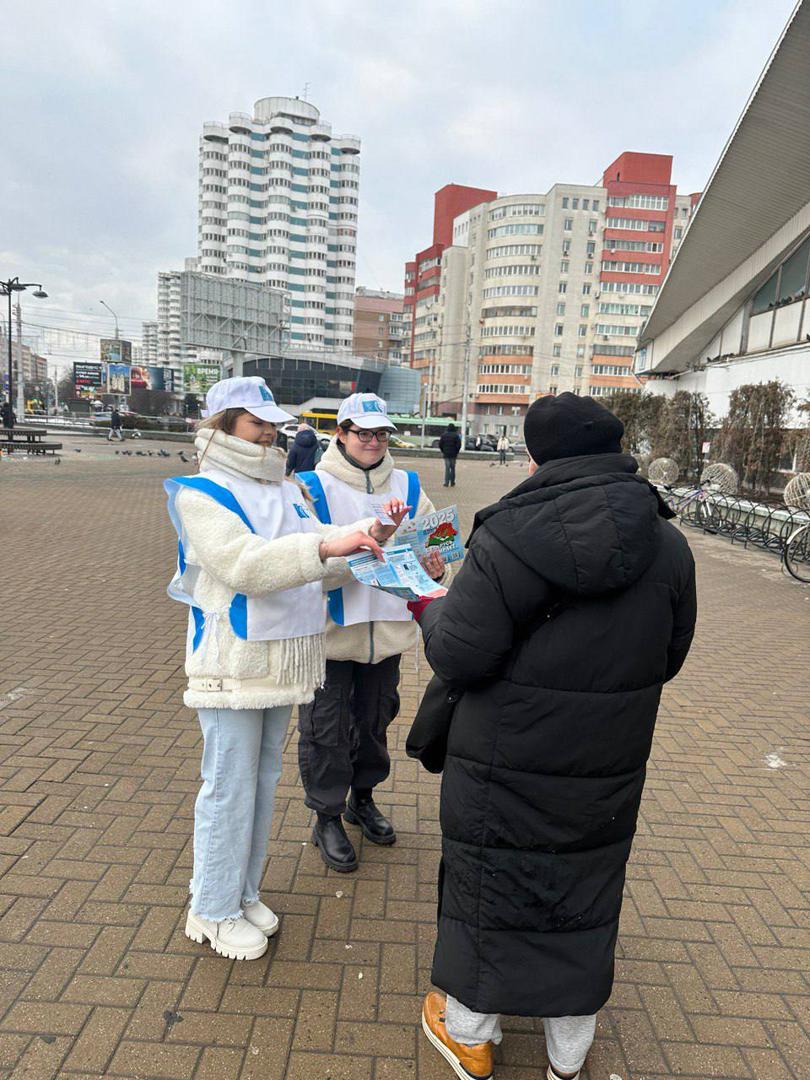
<point x="342" y="734"/>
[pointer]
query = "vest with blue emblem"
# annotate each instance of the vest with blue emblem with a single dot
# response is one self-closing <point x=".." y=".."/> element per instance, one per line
<point x="270" y="511"/>
<point x="338" y="503"/>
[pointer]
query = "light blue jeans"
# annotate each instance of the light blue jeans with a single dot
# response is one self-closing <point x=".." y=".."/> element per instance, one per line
<point x="241" y="766"/>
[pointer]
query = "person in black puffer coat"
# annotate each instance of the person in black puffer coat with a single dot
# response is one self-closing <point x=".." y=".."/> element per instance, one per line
<point x="303" y="454"/>
<point x="575" y="604"/>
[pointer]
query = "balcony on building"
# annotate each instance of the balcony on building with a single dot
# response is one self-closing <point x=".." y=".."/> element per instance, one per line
<point x="215" y="132"/>
<point x="240" y="123"/>
<point x="348" y="144"/>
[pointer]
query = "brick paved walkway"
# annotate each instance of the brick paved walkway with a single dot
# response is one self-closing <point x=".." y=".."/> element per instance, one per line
<point x="98" y="772"/>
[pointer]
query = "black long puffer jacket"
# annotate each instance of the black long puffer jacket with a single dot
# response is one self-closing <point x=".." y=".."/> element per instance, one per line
<point x="575" y="603"/>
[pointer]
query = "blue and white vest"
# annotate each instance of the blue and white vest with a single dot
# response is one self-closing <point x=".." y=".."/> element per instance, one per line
<point x="269" y="510"/>
<point x="338" y="503"/>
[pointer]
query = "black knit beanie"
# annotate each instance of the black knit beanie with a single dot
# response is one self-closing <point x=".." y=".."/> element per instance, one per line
<point x="570" y="426"/>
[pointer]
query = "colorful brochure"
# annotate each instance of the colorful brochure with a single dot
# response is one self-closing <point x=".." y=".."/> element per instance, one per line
<point x="399" y="573"/>
<point x="438" y="531"/>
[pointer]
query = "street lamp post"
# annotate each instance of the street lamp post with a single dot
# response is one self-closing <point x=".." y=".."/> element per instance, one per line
<point x="107" y="306"/>
<point x="12" y="285"/>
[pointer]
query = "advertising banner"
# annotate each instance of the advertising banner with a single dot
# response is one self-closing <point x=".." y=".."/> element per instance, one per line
<point x="157" y="378"/>
<point x="118" y="378"/>
<point x="115" y="351"/>
<point x="147" y="378"/>
<point x="199" y="378"/>
<point x="88" y="378"/>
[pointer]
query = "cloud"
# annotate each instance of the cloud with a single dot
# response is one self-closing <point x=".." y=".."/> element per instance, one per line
<point x="102" y="113"/>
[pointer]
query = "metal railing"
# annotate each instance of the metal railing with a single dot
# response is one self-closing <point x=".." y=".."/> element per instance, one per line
<point x="739" y="519"/>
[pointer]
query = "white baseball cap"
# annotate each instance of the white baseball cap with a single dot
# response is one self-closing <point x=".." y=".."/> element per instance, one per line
<point x="245" y="392"/>
<point x="366" y="411"/>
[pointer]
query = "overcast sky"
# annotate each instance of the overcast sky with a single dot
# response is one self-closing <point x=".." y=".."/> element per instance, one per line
<point x="104" y="101"/>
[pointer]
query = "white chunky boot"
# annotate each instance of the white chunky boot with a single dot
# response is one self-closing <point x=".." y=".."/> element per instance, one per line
<point x="260" y="916"/>
<point x="235" y="938"/>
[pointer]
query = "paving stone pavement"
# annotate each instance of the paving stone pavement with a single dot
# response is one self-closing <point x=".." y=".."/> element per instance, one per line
<point x="98" y="774"/>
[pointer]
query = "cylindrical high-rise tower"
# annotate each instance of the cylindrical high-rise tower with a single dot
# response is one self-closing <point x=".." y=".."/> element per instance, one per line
<point x="278" y="205"/>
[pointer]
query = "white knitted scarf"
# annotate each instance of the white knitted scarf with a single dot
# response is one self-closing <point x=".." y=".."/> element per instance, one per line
<point x="303" y="659"/>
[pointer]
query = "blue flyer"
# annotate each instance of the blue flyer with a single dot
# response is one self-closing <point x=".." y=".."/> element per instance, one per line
<point x="438" y="531"/>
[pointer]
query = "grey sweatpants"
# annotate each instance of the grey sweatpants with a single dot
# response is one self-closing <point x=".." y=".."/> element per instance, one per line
<point x="568" y="1038"/>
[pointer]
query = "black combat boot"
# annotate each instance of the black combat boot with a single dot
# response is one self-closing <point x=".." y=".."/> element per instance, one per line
<point x="362" y="811"/>
<point x="336" y="849"/>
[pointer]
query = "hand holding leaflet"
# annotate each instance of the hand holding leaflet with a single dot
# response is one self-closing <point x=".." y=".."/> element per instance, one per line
<point x="379" y="507"/>
<point x="390" y="514"/>
<point x="439" y="531"/>
<point x="398" y="572"/>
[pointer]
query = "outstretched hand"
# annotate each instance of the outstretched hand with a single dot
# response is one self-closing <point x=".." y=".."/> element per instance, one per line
<point x="350" y="544"/>
<point x="397" y="510"/>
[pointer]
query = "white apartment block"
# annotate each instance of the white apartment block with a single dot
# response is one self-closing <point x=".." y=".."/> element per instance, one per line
<point x="536" y="297"/>
<point x="518" y="294"/>
<point x="170" y="351"/>
<point x="149" y="342"/>
<point x="278" y="199"/>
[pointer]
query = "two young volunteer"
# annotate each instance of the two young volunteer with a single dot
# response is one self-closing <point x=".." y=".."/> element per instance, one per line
<point x="342" y="744"/>
<point x="251" y="562"/>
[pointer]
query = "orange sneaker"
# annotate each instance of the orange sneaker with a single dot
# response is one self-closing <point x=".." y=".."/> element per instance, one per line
<point x="468" y="1062"/>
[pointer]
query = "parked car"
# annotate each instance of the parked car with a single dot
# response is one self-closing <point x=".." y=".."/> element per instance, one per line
<point x="402" y="444"/>
<point x="285" y="435"/>
<point x="488" y="443"/>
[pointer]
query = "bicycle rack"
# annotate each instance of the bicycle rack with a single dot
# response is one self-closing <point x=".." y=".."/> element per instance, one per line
<point x="741" y="520"/>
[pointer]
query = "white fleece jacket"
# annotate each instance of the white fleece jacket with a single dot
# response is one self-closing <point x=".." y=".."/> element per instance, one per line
<point x="261" y="674"/>
<point x="367" y="643"/>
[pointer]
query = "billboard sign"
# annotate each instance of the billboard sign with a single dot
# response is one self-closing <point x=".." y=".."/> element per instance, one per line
<point x="88" y="378"/>
<point x="118" y="378"/>
<point x="199" y="378"/>
<point x="115" y="351"/>
<point x="147" y="377"/>
<point x="230" y="316"/>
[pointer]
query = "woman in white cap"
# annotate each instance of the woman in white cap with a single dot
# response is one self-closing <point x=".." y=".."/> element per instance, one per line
<point x="251" y="560"/>
<point x="342" y="745"/>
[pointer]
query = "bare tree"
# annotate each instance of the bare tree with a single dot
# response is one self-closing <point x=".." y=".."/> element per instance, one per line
<point x="753" y="435"/>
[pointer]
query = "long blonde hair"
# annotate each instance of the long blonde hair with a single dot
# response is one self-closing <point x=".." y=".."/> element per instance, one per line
<point x="224" y="421"/>
<point x="221" y="421"/>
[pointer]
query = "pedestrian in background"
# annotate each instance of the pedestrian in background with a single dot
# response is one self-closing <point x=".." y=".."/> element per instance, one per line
<point x="304" y="454"/>
<point x="8" y="415"/>
<point x="450" y="446"/>
<point x="116" y="425"/>
<point x="575" y="604"/>
<point x="251" y="561"/>
<point x="342" y="735"/>
<point x="504" y="446"/>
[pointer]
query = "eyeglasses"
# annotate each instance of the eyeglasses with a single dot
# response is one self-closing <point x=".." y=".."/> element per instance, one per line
<point x="368" y="436"/>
